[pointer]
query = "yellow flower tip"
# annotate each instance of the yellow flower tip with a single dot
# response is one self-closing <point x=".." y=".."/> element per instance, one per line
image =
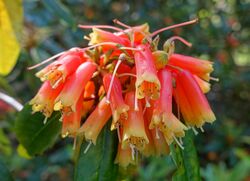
<point x="145" y="27"/>
<point x="89" y="133"/>
<point x="149" y="86"/>
<point x="58" y="106"/>
<point x="96" y="121"/>
<point x="138" y="142"/>
<point x="90" y="136"/>
<point x="65" y="134"/>
<point x="155" y="120"/>
<point x="210" y="117"/>
<point x="119" y="116"/>
<point x="43" y="106"/>
<point x="94" y="37"/>
<point x="204" y="85"/>
<point x="124" y="157"/>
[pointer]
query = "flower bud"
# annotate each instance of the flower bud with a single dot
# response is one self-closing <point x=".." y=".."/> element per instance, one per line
<point x="160" y="59"/>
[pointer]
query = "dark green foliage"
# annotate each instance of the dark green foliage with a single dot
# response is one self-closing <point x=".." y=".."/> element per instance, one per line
<point x="98" y="162"/>
<point x="186" y="160"/>
<point x="33" y="134"/>
<point x="5" y="174"/>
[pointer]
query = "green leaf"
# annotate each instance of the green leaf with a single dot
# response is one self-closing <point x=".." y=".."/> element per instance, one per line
<point x="186" y="160"/>
<point x="5" y="173"/>
<point x="33" y="134"/>
<point x="98" y="162"/>
<point x="61" y="11"/>
<point x="5" y="145"/>
<point x="10" y="29"/>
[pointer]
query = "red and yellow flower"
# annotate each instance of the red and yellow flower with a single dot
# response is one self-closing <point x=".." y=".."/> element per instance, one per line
<point x="123" y="77"/>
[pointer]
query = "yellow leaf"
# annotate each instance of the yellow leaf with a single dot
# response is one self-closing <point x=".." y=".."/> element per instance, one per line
<point x="11" y="15"/>
<point x="23" y="152"/>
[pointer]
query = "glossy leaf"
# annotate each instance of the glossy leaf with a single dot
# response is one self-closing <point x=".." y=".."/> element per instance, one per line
<point x="98" y="162"/>
<point x="186" y="160"/>
<point x="33" y="134"/>
<point x="11" y="25"/>
<point x="5" y="173"/>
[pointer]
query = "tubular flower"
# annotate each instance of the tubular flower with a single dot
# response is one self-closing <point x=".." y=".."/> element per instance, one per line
<point x="201" y="68"/>
<point x="100" y="36"/>
<point x="136" y="33"/>
<point x="124" y="157"/>
<point x="147" y="83"/>
<point x="57" y="72"/>
<point x="198" y="111"/>
<point x="95" y="122"/>
<point x="160" y="145"/>
<point x="117" y="104"/>
<point x="88" y="98"/>
<point x="134" y="134"/>
<point x="204" y="85"/>
<point x="44" y="100"/>
<point x="73" y="87"/>
<point x="163" y="118"/>
<point x="71" y="122"/>
<point x="149" y="149"/>
<point x="123" y="76"/>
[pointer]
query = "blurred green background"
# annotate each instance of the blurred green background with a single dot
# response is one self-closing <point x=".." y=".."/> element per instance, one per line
<point x="222" y="36"/>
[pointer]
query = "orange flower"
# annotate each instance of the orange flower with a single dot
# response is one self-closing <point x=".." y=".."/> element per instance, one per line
<point x="57" y="72"/>
<point x="147" y="83"/>
<point x="157" y="138"/>
<point x="71" y="121"/>
<point x="126" y="61"/>
<point x="149" y="149"/>
<point x="161" y="146"/>
<point x="118" y="106"/>
<point x="134" y="134"/>
<point x="124" y="156"/>
<point x="204" y="85"/>
<point x="201" y="68"/>
<point x="95" y="122"/>
<point x="89" y="97"/>
<point x="163" y="118"/>
<point x="135" y="33"/>
<point x="73" y="87"/>
<point x="44" y="99"/>
<point x="192" y="102"/>
<point x="100" y="36"/>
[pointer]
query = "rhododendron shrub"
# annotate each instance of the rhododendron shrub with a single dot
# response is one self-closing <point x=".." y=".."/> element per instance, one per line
<point x="124" y="76"/>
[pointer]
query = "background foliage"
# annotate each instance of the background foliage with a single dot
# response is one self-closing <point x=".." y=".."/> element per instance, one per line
<point x="222" y="35"/>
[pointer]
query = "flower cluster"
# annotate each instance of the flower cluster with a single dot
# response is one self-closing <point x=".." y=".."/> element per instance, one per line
<point x="123" y="76"/>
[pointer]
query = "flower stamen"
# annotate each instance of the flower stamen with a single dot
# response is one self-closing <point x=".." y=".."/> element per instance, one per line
<point x="174" y="26"/>
<point x="181" y="40"/>
<point x="132" y="147"/>
<point x="157" y="133"/>
<point x="113" y="77"/>
<point x="178" y="143"/>
<point x="194" y="130"/>
<point x="214" y="79"/>
<point x="87" y="148"/>
<point x="45" y="120"/>
<point x="127" y="74"/>
<point x="46" y="61"/>
<point x="100" y="26"/>
<point x="118" y="132"/>
<point x="116" y="21"/>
